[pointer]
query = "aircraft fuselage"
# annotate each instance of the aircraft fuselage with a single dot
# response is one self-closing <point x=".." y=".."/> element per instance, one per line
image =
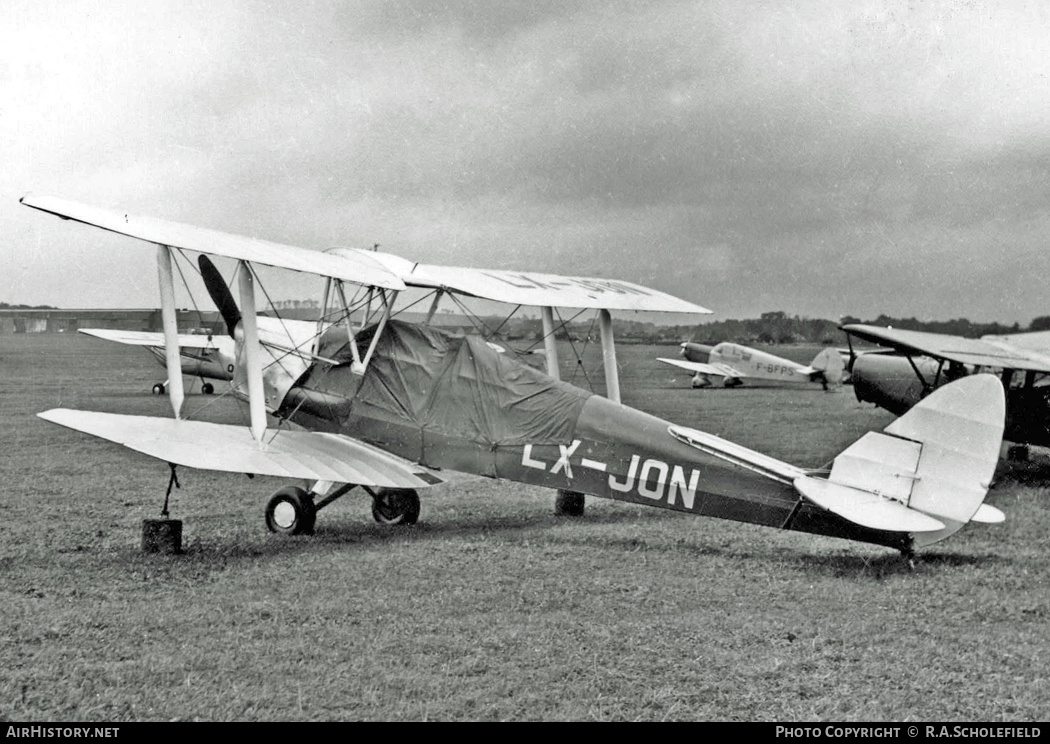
<point x="751" y="362"/>
<point x="522" y="425"/>
<point x="204" y="363"/>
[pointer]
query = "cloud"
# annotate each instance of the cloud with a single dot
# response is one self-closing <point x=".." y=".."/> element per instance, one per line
<point x="854" y="159"/>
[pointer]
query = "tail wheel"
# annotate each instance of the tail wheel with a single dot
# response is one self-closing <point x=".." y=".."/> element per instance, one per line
<point x="291" y="511"/>
<point x="395" y="506"/>
<point x="207" y="388"/>
<point x="158" y="389"/>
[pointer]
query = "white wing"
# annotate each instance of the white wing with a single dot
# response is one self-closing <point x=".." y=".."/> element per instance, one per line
<point x="530" y="288"/>
<point x="722" y="370"/>
<point x="288" y="454"/>
<point x="358" y="267"/>
<point x="146" y="338"/>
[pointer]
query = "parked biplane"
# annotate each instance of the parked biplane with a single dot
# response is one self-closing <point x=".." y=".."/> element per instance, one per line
<point x="735" y="363"/>
<point x="920" y="362"/>
<point x="200" y="355"/>
<point x="364" y="399"/>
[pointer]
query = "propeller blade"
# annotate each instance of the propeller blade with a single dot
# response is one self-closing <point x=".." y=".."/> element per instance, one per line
<point x="220" y="294"/>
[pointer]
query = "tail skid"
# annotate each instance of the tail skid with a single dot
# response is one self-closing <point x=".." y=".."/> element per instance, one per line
<point x="926" y="474"/>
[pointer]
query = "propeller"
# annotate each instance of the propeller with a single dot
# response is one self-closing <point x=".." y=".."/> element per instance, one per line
<point x="220" y="294"/>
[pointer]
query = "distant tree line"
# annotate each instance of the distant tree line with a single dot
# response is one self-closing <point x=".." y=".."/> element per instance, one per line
<point x="6" y="306"/>
<point x="958" y="327"/>
<point x="777" y="327"/>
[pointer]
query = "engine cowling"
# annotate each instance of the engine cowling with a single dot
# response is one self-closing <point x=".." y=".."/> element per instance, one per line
<point x="890" y="381"/>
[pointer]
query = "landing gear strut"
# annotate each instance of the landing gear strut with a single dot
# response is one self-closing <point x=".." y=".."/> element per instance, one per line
<point x="293" y="511"/>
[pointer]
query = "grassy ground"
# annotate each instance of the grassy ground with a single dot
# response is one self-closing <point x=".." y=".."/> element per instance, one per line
<point x="491" y="608"/>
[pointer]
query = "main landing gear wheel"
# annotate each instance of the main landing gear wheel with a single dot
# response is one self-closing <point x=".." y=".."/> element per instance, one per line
<point x="291" y="511"/>
<point x="395" y="506"/>
<point x="207" y="388"/>
<point x="158" y="389"/>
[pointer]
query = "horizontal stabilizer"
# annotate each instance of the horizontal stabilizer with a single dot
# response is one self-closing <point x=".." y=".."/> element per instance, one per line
<point x="283" y="453"/>
<point x="987" y="514"/>
<point x="865" y="508"/>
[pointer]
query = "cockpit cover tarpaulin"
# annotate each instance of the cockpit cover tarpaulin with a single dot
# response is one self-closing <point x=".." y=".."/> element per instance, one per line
<point x="461" y="387"/>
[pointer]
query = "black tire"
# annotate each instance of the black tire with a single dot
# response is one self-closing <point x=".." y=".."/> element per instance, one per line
<point x="158" y="389"/>
<point x="291" y="511"/>
<point x="207" y="388"/>
<point x="395" y="506"/>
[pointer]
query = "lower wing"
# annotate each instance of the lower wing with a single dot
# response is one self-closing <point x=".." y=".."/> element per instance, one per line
<point x="146" y="338"/>
<point x="722" y="370"/>
<point x="284" y="453"/>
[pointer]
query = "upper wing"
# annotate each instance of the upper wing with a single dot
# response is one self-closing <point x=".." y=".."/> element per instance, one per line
<point x="722" y="370"/>
<point x="288" y="454"/>
<point x="1037" y="341"/>
<point x="359" y="267"/>
<point x="145" y="338"/>
<point x="528" y="288"/>
<point x="986" y="352"/>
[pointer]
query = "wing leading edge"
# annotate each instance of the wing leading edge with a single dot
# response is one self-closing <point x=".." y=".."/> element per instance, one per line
<point x="359" y="267"/>
<point x="150" y="339"/>
<point x="722" y="370"/>
<point x="530" y="288"/>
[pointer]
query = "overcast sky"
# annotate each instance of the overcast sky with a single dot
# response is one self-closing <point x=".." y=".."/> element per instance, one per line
<point x="817" y="158"/>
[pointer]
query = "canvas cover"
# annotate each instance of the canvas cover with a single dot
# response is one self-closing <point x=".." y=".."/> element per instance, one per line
<point x="434" y="380"/>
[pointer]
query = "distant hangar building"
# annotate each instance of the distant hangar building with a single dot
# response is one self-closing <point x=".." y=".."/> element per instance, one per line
<point x="53" y="320"/>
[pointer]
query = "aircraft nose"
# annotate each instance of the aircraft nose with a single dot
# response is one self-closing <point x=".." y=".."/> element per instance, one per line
<point x="887" y="381"/>
<point x="696" y="352"/>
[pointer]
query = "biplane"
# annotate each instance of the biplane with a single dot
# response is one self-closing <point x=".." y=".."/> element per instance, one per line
<point x="202" y="356"/>
<point x="913" y="364"/>
<point x="365" y="399"/>
<point x="735" y="364"/>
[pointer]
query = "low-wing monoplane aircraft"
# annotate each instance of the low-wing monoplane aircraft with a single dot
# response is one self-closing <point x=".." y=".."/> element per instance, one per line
<point x="735" y="363"/>
<point x="202" y="356"/>
<point x="368" y="400"/>
<point x="921" y="362"/>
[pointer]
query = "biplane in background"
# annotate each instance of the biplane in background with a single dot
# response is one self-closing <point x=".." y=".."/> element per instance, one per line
<point x="915" y="363"/>
<point x="365" y="399"/>
<point x="203" y="356"/>
<point x="735" y="363"/>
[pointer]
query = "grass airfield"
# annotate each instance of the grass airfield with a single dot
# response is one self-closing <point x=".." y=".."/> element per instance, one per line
<point x="491" y="608"/>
